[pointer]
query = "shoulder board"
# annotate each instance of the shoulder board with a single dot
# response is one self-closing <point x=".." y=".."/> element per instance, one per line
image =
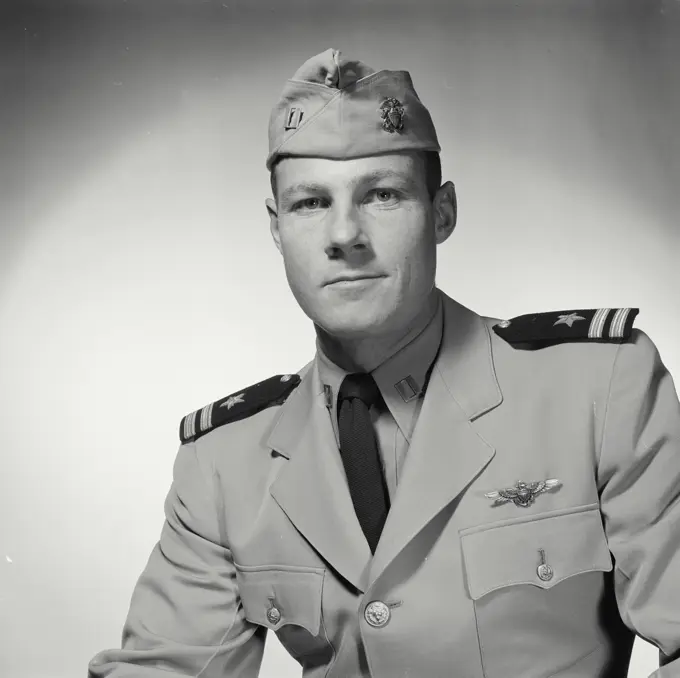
<point x="612" y="325"/>
<point x="239" y="405"/>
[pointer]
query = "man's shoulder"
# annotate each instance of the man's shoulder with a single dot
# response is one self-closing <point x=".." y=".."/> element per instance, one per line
<point x="239" y="405"/>
<point x="545" y="347"/>
<point x="536" y="331"/>
<point x="570" y="344"/>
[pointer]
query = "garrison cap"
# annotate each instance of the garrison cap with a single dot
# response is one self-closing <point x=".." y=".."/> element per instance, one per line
<point x="340" y="108"/>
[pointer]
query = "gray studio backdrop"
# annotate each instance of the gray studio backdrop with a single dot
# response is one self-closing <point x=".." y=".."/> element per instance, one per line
<point x="138" y="280"/>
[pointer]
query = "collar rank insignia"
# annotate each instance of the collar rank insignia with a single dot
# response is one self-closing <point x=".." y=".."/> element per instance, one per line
<point x="613" y="325"/>
<point x="238" y="405"/>
<point x="523" y="494"/>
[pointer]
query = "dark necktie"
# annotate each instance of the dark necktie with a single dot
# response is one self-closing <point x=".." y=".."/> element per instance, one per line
<point x="359" y="452"/>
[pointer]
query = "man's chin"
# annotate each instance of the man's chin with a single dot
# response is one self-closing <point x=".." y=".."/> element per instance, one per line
<point x="353" y="319"/>
<point x="349" y="329"/>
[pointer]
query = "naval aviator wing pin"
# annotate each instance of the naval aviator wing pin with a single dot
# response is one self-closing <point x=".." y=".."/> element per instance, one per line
<point x="522" y="494"/>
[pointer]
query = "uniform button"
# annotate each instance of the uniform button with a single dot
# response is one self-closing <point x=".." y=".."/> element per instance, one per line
<point x="274" y="615"/>
<point x="377" y="613"/>
<point x="545" y="572"/>
<point x="504" y="323"/>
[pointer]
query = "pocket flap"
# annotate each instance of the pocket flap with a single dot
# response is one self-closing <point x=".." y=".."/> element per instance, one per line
<point x="294" y="592"/>
<point x="509" y="554"/>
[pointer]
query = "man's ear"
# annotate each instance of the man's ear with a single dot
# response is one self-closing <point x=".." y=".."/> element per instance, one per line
<point x="445" y="211"/>
<point x="273" y="222"/>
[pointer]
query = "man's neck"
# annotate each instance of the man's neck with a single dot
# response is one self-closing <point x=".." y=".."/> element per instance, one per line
<point x="367" y="353"/>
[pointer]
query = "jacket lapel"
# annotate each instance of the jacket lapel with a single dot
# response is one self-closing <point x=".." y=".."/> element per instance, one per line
<point x="312" y="487"/>
<point x="446" y="453"/>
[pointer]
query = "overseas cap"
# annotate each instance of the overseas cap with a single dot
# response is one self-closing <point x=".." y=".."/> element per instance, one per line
<point x="339" y="108"/>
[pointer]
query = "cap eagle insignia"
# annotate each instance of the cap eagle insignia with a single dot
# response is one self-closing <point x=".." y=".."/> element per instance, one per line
<point x="392" y="114"/>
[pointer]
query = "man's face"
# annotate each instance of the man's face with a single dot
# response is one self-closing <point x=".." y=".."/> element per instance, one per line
<point x="370" y="219"/>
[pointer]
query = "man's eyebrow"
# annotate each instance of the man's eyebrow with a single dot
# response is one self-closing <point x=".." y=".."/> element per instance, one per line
<point x="378" y="174"/>
<point x="368" y="177"/>
<point x="310" y="187"/>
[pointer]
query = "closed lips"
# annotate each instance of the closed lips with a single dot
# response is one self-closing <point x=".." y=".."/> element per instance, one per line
<point x="351" y="278"/>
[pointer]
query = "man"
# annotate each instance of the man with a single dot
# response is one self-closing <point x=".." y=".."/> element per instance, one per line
<point x="435" y="494"/>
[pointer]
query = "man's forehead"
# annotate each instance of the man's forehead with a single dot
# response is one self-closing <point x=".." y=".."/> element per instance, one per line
<point x="296" y="170"/>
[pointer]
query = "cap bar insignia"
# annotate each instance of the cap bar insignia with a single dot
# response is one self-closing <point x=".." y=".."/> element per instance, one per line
<point x="293" y="118"/>
<point x="392" y="114"/>
<point x="523" y="494"/>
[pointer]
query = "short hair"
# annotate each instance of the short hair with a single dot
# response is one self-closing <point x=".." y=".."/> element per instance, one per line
<point x="431" y="163"/>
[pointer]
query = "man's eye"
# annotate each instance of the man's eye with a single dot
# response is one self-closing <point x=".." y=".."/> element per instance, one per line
<point x="384" y="194"/>
<point x="309" y="204"/>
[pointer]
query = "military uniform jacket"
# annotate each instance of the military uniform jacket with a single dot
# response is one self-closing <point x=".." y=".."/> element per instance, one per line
<point x="471" y="580"/>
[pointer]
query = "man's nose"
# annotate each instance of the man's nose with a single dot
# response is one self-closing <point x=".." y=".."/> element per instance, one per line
<point x="345" y="230"/>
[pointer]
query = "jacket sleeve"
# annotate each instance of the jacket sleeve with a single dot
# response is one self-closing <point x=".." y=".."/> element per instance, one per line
<point x="185" y="616"/>
<point x="639" y="481"/>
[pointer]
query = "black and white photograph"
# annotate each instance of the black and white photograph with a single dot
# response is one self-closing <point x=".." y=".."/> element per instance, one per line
<point x="340" y="339"/>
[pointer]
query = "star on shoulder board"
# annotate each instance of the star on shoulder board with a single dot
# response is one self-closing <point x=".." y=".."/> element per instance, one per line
<point x="612" y="325"/>
<point x="239" y="405"/>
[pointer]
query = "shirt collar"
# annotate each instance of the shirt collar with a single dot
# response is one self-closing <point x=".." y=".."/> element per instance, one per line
<point x="402" y="378"/>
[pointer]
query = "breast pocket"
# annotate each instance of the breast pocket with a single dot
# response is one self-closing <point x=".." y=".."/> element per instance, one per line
<point x="537" y="585"/>
<point x="287" y="600"/>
